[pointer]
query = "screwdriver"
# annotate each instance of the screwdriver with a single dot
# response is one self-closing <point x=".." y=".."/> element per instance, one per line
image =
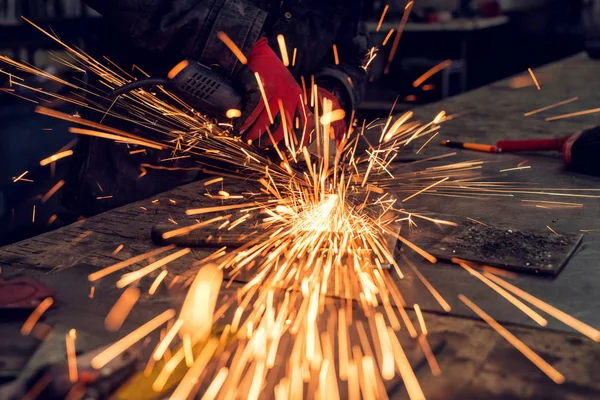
<point x="580" y="151"/>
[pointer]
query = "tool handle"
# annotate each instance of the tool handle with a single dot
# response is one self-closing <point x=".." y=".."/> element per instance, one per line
<point x="532" y="145"/>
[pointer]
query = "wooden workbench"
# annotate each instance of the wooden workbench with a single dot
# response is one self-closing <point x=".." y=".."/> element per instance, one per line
<point x="476" y="362"/>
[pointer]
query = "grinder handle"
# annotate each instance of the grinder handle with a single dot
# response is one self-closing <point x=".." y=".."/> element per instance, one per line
<point x="532" y="145"/>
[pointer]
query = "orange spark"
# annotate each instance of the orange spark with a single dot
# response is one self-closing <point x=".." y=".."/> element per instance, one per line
<point x="387" y="37"/>
<point x="546" y="368"/>
<point x="119" y="312"/>
<point x="35" y="315"/>
<point x="123" y="264"/>
<point x="166" y="341"/>
<point x="283" y="50"/>
<point x="385" y="9"/>
<point x="233" y="47"/>
<point x="433" y="364"/>
<point x="117" y="250"/>
<point x="421" y="319"/>
<point x="131" y="277"/>
<point x="434" y="70"/>
<point x="537" y="85"/>
<point x="18" y="178"/>
<point x="401" y="26"/>
<point x="187" y="229"/>
<point x="157" y="282"/>
<point x="574" y="114"/>
<point x="336" y="58"/>
<point x="52" y="191"/>
<point x="207" y="210"/>
<point x="563" y="317"/>
<point x="560" y="103"/>
<point x="71" y="356"/>
<point x="80" y="121"/>
<point x="513" y="300"/>
<point x="425" y="189"/>
<point x="264" y="97"/>
<point x="114" y="137"/>
<point x="52" y="218"/>
<point x="408" y="375"/>
<point x="120" y="346"/>
<point x="443" y="303"/>
<point x="56" y="157"/>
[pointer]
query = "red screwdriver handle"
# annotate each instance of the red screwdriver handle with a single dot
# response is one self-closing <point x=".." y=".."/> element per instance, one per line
<point x="532" y="145"/>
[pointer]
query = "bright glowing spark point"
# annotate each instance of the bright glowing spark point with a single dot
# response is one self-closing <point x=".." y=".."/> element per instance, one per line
<point x="283" y="50"/>
<point x="233" y="113"/>
<point x="546" y="368"/>
<point x="56" y="157"/>
<point x="35" y="315"/>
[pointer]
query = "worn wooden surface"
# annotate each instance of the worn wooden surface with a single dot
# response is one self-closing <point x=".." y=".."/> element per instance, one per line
<point x="476" y="362"/>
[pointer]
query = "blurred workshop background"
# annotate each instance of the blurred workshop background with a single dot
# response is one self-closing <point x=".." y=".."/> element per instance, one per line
<point x="480" y="41"/>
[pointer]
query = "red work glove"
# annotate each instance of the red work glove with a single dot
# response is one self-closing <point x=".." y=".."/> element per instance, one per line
<point x="338" y="128"/>
<point x="279" y="84"/>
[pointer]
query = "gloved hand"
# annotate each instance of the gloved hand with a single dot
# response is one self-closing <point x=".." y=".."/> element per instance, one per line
<point x="338" y="128"/>
<point x="279" y="85"/>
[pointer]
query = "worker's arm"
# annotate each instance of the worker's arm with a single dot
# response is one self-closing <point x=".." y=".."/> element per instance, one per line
<point x="186" y="28"/>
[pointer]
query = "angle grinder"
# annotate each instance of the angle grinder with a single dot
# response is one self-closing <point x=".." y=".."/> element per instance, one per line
<point x="200" y="86"/>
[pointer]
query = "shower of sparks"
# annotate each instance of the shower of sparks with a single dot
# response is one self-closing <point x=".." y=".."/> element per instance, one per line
<point x="537" y="84"/>
<point x="319" y="313"/>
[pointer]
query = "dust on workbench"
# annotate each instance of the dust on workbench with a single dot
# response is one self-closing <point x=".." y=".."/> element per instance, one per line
<point x="535" y="251"/>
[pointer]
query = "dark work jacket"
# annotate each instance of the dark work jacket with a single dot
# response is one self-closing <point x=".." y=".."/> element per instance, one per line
<point x="168" y="30"/>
